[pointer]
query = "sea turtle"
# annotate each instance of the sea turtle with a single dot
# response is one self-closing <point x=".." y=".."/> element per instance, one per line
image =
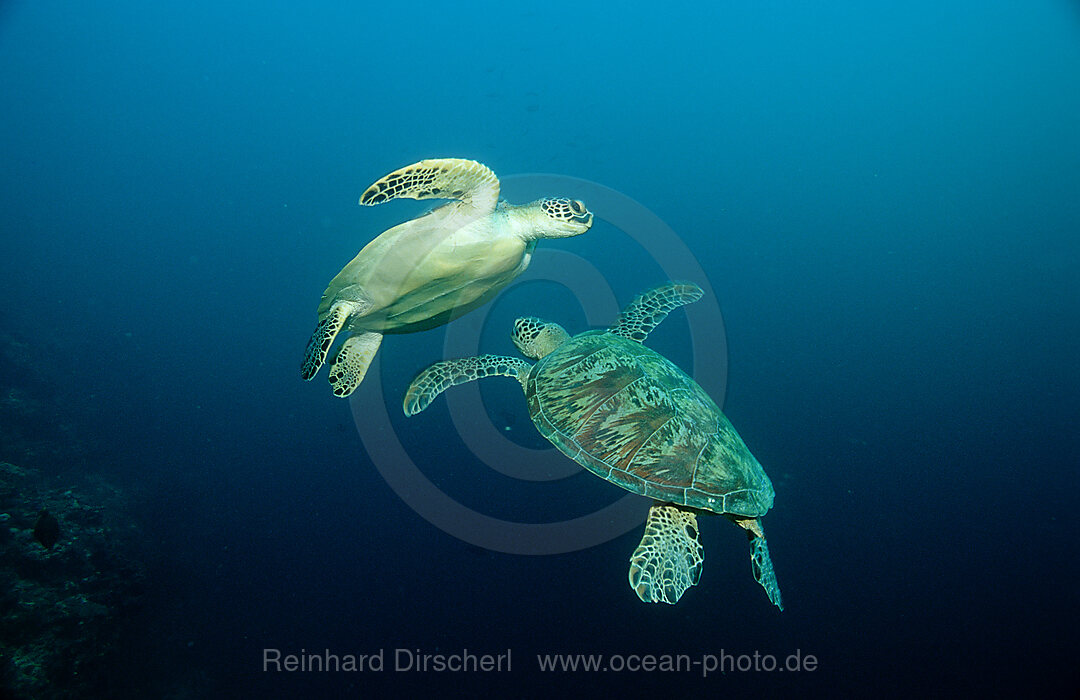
<point x="427" y="271"/>
<point x="630" y="416"/>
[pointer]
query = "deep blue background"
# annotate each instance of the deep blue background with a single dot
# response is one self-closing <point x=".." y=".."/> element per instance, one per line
<point x="885" y="197"/>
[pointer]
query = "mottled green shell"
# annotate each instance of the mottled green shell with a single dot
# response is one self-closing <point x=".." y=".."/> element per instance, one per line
<point x="630" y="416"/>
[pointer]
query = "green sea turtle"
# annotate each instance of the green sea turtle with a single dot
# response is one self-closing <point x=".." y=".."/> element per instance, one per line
<point x="432" y="269"/>
<point x="630" y="416"/>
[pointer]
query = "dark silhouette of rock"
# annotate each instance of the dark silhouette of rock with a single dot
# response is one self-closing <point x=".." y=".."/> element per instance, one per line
<point x="46" y="529"/>
<point x="69" y="601"/>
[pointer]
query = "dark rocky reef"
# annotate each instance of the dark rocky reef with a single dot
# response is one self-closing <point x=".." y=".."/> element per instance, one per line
<point x="71" y="560"/>
<point x="63" y="606"/>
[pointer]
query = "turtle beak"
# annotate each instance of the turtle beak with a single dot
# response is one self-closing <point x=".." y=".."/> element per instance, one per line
<point x="580" y="214"/>
<point x="584" y="219"/>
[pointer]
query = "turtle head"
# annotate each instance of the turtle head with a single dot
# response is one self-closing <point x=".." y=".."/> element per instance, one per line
<point x="557" y="217"/>
<point x="536" y="338"/>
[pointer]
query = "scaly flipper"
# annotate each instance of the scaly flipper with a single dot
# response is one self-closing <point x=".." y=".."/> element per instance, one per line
<point x="669" y="558"/>
<point x="438" y="178"/>
<point x="648" y="310"/>
<point x="323" y="337"/>
<point x="442" y="375"/>
<point x="760" y="561"/>
<point x="352" y="362"/>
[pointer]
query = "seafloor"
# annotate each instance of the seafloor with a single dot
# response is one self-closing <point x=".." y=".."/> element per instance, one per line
<point x="64" y="602"/>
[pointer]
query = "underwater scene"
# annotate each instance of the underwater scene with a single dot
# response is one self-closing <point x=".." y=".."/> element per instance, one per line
<point x="526" y="350"/>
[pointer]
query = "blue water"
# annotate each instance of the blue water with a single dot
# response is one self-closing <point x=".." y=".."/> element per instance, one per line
<point x="884" y="199"/>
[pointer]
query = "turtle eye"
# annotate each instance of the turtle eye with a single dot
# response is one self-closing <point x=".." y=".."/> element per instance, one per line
<point x="577" y="206"/>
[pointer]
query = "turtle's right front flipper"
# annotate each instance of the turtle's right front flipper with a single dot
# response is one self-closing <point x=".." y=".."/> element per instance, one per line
<point x="438" y="178"/>
<point x="669" y="558"/>
<point x="442" y="375"/>
<point x="651" y="307"/>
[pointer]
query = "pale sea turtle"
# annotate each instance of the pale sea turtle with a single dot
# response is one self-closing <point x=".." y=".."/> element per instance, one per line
<point x="630" y="416"/>
<point x="427" y="271"/>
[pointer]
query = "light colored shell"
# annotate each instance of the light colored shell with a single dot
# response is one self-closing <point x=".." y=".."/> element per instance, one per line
<point x="430" y="270"/>
<point x="630" y="416"/>
<point x="424" y="272"/>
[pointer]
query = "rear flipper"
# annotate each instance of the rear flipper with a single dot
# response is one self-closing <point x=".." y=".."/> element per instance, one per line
<point x="352" y="362"/>
<point x="323" y="337"/>
<point x="760" y="561"/>
<point x="669" y="558"/>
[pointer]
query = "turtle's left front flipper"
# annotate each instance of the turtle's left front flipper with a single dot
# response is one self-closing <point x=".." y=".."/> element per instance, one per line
<point x="760" y="560"/>
<point x="669" y="558"/>
<point x="442" y="375"/>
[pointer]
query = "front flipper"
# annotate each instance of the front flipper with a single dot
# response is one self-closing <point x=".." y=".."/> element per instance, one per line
<point x="760" y="561"/>
<point x="650" y="308"/>
<point x="352" y="362"/>
<point x="438" y="178"/>
<point x="669" y="558"/>
<point x="442" y="375"/>
<point x="323" y="337"/>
